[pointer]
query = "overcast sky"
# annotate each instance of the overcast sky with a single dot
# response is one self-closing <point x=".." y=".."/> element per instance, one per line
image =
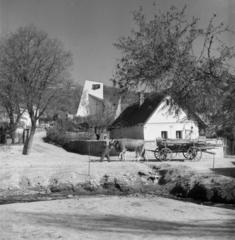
<point x="90" y="27"/>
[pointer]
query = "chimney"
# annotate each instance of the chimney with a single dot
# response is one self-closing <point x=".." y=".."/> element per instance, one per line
<point x="141" y="98"/>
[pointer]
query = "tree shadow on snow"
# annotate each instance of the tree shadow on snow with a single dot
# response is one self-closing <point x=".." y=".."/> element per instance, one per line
<point x="131" y="225"/>
<point x="229" y="172"/>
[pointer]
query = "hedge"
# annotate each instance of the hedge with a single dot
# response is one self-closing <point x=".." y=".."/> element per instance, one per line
<point x="60" y="137"/>
<point x="89" y="147"/>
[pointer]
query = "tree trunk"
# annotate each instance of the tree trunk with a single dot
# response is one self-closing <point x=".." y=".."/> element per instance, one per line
<point x="13" y="136"/>
<point x="12" y="127"/>
<point x="29" y="140"/>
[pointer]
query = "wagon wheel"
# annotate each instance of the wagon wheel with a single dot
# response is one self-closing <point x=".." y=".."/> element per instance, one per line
<point x="157" y="154"/>
<point x="191" y="154"/>
<point x="165" y="154"/>
<point x="185" y="154"/>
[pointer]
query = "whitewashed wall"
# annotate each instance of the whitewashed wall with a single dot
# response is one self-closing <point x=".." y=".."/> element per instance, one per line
<point x="26" y="121"/>
<point x="164" y="120"/>
<point x="153" y="130"/>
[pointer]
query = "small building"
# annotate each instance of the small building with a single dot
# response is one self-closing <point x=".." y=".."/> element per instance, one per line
<point x="154" y="118"/>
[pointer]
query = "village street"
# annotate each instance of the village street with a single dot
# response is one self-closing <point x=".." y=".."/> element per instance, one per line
<point x="115" y="218"/>
<point x="99" y="217"/>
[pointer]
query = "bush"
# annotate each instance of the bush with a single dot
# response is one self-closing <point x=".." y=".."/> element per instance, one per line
<point x="182" y="182"/>
<point x="55" y="136"/>
<point x="61" y="137"/>
<point x="91" y="147"/>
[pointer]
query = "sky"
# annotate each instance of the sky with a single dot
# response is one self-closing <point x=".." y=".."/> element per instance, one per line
<point x="89" y="28"/>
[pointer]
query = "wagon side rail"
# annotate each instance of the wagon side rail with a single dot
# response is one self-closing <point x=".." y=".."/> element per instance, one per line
<point x="191" y="149"/>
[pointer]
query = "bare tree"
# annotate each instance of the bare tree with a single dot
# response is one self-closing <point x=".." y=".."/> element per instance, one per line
<point x="39" y="65"/>
<point x="10" y="100"/>
<point x="66" y="101"/>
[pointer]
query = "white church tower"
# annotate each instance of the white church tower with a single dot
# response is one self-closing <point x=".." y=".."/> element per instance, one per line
<point x="92" y="99"/>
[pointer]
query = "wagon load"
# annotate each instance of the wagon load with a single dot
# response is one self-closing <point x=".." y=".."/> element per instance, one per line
<point x="191" y="149"/>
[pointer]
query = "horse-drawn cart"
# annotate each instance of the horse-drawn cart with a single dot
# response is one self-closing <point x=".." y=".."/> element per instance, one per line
<point x="191" y="149"/>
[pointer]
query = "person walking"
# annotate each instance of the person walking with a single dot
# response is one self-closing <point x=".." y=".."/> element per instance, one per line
<point x="107" y="148"/>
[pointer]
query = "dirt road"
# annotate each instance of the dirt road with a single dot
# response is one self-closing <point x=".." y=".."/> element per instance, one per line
<point x="115" y="218"/>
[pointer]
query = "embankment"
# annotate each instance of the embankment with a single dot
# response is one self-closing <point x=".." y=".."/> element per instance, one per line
<point x="162" y="180"/>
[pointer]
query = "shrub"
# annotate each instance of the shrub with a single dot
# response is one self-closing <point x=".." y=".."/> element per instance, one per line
<point x="91" y="147"/>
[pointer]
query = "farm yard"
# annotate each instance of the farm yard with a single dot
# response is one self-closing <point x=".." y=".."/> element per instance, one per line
<point x="47" y="160"/>
<point x="140" y="214"/>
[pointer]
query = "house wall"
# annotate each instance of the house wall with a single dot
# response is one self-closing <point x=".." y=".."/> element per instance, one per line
<point x="26" y="121"/>
<point x="3" y="116"/>
<point x="163" y="119"/>
<point x="163" y="114"/>
<point x="153" y="130"/>
<point x="135" y="132"/>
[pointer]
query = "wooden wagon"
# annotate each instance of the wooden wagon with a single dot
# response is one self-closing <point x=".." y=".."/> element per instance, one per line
<point x="191" y="149"/>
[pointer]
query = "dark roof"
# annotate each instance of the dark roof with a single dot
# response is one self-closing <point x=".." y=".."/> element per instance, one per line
<point x="139" y="114"/>
<point x="136" y="113"/>
<point x="193" y="116"/>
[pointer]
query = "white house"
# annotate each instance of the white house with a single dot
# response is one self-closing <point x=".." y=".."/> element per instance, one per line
<point x="25" y="120"/>
<point x="153" y="118"/>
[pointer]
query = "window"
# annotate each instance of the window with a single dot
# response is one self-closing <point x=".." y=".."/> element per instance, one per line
<point x="95" y="86"/>
<point x="164" y="134"/>
<point x="179" y="134"/>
